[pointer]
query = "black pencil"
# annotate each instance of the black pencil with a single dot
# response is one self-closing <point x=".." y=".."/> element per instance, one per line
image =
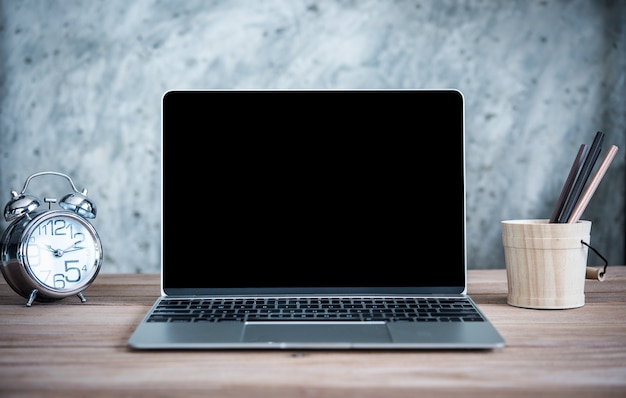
<point x="569" y="182"/>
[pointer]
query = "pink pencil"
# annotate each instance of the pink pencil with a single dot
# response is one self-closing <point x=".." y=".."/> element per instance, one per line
<point x="591" y="188"/>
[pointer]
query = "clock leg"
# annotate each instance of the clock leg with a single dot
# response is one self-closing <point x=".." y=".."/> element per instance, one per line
<point x="31" y="298"/>
<point x="81" y="297"/>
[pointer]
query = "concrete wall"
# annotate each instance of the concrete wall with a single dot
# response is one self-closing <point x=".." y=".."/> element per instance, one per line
<point x="81" y="83"/>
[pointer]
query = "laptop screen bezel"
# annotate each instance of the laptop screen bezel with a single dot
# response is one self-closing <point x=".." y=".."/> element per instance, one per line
<point x="451" y="146"/>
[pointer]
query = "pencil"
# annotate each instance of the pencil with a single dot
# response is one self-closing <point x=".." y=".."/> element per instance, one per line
<point x="595" y="181"/>
<point x="581" y="180"/>
<point x="569" y="182"/>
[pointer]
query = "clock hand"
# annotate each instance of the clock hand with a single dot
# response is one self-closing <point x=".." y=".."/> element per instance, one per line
<point x="73" y="248"/>
<point x="52" y="249"/>
<point x="55" y="252"/>
<point x="59" y="252"/>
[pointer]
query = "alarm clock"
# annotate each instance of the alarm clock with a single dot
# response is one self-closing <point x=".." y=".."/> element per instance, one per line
<point x="50" y="254"/>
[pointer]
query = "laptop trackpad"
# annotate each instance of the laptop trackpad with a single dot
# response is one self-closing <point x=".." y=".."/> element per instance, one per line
<point x="293" y="332"/>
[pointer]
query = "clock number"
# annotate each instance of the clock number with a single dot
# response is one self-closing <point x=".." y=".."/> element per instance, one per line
<point x="60" y="279"/>
<point x="80" y="236"/>
<point x="53" y="227"/>
<point x="56" y="228"/>
<point x="69" y="269"/>
<point x="59" y="227"/>
<point x="34" y="253"/>
<point x="45" y="274"/>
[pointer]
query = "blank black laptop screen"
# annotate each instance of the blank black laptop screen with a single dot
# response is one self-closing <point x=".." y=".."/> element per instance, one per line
<point x="329" y="189"/>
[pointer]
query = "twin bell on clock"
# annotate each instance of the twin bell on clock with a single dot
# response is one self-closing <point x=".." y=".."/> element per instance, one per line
<point x="48" y="254"/>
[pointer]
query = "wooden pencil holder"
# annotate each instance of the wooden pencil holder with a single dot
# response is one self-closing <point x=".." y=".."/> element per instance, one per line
<point x="546" y="263"/>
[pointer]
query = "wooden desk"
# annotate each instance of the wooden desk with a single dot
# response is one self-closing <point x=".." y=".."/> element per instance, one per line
<point x="68" y="349"/>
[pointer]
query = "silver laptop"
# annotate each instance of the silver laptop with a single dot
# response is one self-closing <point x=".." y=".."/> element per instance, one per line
<point x="313" y="219"/>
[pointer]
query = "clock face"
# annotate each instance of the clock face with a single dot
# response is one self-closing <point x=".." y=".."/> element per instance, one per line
<point x="62" y="251"/>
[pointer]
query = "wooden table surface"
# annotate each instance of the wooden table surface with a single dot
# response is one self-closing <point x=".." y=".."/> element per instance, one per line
<point x="69" y="349"/>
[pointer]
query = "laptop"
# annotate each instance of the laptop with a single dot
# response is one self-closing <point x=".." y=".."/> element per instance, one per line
<point x="313" y="219"/>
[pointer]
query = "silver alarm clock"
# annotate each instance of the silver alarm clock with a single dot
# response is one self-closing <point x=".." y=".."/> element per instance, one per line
<point x="49" y="254"/>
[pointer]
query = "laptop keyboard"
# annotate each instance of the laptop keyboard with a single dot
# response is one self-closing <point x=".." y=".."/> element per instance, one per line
<point x="313" y="309"/>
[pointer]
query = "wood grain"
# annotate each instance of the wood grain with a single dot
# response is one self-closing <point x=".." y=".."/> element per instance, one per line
<point x="68" y="349"/>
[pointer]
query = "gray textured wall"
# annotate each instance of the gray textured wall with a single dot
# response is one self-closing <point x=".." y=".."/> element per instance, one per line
<point x="81" y="83"/>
